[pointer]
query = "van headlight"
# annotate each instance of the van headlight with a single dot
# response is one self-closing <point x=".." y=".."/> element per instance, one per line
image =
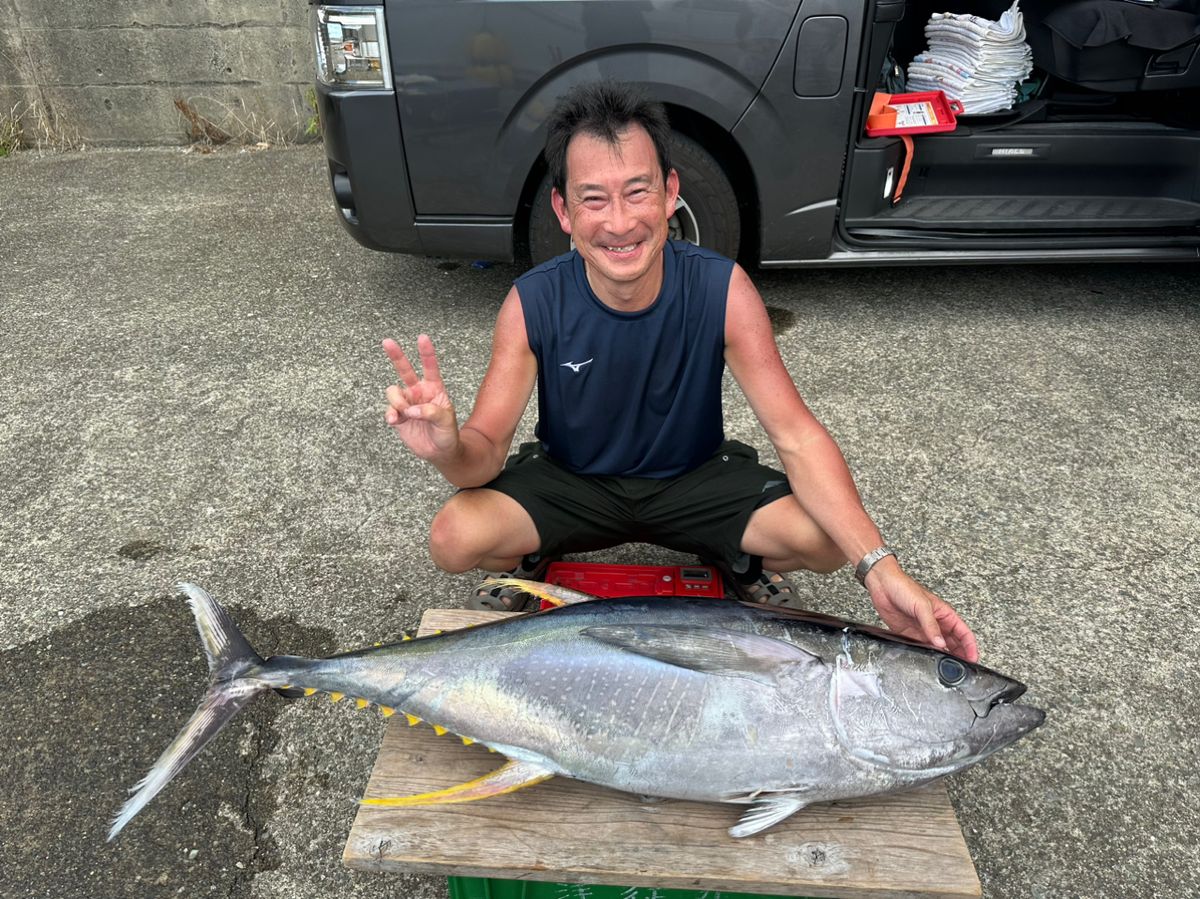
<point x="352" y="47"/>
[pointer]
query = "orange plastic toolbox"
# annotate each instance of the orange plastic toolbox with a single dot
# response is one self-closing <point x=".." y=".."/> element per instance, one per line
<point x="905" y="115"/>
<point x="925" y="112"/>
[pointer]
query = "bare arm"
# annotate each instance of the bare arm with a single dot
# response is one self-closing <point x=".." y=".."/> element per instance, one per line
<point x="420" y="411"/>
<point x="816" y="469"/>
<point x="820" y="477"/>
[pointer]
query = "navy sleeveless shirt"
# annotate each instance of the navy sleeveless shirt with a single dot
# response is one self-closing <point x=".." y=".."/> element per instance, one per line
<point x="632" y="394"/>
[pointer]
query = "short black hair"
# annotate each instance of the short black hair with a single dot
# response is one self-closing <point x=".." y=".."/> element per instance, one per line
<point x="603" y="109"/>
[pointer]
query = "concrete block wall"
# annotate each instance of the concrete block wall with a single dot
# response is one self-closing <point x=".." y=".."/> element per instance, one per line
<point x="108" y="72"/>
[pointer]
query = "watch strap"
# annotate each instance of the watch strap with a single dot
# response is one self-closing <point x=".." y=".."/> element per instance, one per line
<point x="863" y="568"/>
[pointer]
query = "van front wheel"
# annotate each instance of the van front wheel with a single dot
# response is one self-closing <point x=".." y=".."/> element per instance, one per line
<point x="706" y="213"/>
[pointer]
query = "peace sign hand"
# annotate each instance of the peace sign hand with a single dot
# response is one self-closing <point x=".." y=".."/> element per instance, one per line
<point x="419" y="409"/>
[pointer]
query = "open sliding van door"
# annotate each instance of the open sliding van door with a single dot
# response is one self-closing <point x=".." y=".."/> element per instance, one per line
<point x="1102" y="167"/>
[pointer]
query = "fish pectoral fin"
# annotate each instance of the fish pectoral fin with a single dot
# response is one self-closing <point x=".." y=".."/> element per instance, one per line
<point x="508" y="778"/>
<point x="551" y="593"/>
<point x="766" y="813"/>
<point x="708" y="649"/>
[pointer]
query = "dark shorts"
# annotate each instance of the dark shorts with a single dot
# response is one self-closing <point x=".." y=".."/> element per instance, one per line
<point x="703" y="512"/>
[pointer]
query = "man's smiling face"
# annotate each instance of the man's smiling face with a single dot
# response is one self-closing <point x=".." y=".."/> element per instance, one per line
<point x="616" y="210"/>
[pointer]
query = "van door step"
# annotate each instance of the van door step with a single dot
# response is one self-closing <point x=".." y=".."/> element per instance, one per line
<point x="1033" y="212"/>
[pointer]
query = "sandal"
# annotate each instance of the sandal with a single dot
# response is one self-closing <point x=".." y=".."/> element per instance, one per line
<point x="507" y="598"/>
<point x="773" y="589"/>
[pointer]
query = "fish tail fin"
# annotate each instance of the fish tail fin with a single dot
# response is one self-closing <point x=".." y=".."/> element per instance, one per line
<point x="228" y="652"/>
<point x="230" y="656"/>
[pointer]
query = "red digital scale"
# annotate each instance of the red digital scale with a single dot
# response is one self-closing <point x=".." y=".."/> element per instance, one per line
<point x="635" y="580"/>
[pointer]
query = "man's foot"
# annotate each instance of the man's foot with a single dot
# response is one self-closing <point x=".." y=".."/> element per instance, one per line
<point x="511" y="599"/>
<point x="773" y="589"/>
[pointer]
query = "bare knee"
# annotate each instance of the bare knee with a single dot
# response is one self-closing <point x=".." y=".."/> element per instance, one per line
<point x="480" y="529"/>
<point x="449" y="540"/>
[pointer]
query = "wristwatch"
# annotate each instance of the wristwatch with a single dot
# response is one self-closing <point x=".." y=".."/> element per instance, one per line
<point x="868" y="562"/>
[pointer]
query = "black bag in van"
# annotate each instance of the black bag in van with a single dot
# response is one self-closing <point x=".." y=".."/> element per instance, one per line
<point x="1117" y="45"/>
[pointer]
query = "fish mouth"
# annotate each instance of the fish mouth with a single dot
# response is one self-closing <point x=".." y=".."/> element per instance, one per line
<point x="1010" y="722"/>
<point x="1010" y="694"/>
<point x="1000" y="721"/>
<point x="1008" y="718"/>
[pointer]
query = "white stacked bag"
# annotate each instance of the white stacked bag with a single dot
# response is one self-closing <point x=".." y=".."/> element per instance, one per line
<point x="974" y="60"/>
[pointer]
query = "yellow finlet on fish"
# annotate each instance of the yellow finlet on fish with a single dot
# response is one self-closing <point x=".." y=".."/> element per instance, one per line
<point x="508" y="778"/>
<point x="387" y="713"/>
<point x="337" y="697"/>
<point x="413" y="720"/>
<point x="439" y="730"/>
<point x="361" y="703"/>
<point x="467" y="741"/>
<point x="309" y="691"/>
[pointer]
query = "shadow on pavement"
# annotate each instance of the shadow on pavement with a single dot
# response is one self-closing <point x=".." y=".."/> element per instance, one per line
<point x="90" y="707"/>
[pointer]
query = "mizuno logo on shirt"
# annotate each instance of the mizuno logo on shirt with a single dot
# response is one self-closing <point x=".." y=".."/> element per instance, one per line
<point x="574" y="366"/>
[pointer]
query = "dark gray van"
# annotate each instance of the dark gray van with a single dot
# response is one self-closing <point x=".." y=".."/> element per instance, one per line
<point x="433" y="114"/>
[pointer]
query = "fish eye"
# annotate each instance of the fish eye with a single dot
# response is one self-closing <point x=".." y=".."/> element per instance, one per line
<point x="951" y="672"/>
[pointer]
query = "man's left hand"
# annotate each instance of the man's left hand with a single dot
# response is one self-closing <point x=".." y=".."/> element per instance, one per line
<point x="912" y="611"/>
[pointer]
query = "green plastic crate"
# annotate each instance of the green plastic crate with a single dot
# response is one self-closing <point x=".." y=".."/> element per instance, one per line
<point x="488" y="888"/>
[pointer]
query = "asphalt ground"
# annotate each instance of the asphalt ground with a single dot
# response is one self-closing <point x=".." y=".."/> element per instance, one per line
<point x="191" y="388"/>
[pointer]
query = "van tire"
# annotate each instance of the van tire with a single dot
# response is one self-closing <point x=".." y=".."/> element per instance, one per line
<point x="710" y="210"/>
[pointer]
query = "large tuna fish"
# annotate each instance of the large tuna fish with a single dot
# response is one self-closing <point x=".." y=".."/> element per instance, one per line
<point x="702" y="699"/>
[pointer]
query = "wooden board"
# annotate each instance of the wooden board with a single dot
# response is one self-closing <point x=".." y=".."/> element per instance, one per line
<point x="906" y="845"/>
